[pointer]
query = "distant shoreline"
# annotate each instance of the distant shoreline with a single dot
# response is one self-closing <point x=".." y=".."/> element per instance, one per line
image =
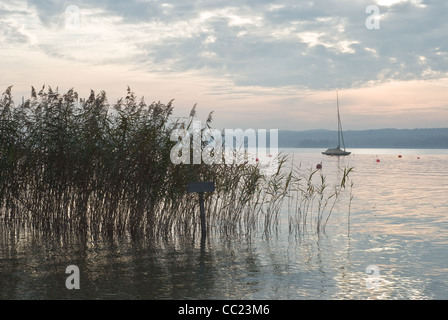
<point x="357" y="148"/>
<point x="431" y="138"/>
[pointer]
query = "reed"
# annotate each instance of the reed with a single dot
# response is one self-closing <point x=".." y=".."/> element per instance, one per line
<point x="315" y="201"/>
<point x="81" y="166"/>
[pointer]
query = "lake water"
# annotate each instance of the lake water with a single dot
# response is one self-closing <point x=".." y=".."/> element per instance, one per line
<point x="392" y="246"/>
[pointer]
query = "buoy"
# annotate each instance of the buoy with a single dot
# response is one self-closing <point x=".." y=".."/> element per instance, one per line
<point x="319" y="166"/>
<point x="377" y="160"/>
<point x="256" y="159"/>
<point x="418" y="157"/>
<point x="399" y="156"/>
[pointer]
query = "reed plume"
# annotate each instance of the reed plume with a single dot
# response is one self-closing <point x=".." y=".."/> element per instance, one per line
<point x="71" y="165"/>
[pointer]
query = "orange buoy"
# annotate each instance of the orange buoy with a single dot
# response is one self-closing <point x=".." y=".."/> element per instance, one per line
<point x="399" y="156"/>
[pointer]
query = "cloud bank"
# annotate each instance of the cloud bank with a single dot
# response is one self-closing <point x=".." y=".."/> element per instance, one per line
<point x="242" y="48"/>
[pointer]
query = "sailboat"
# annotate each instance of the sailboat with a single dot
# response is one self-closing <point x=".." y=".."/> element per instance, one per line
<point x="337" y="151"/>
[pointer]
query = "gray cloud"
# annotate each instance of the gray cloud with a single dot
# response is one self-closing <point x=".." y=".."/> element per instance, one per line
<point x="313" y="44"/>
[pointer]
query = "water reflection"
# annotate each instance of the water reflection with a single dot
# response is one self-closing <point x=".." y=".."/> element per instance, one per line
<point x="317" y="267"/>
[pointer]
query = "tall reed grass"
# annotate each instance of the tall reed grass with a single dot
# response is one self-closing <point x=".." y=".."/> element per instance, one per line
<point x="81" y="166"/>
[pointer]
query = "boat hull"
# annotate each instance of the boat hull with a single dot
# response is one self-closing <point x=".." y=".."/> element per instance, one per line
<point x="336" y="152"/>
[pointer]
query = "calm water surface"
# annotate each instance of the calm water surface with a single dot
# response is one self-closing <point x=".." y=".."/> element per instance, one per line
<point x="398" y="224"/>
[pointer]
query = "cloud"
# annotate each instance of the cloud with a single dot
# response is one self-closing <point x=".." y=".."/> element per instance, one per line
<point x="313" y="44"/>
<point x="249" y="52"/>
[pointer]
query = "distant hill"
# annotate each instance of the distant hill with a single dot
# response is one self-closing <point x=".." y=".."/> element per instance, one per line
<point x="379" y="138"/>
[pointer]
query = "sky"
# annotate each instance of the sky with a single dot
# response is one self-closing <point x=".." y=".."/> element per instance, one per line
<point x="256" y="64"/>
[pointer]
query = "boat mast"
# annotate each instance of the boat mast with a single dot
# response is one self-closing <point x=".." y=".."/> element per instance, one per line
<point x="340" y="134"/>
<point x="339" y="121"/>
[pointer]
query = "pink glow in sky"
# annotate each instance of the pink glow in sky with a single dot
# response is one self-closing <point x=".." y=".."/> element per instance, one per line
<point x="261" y="65"/>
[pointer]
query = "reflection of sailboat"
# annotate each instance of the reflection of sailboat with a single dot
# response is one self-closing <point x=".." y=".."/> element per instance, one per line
<point x="337" y="151"/>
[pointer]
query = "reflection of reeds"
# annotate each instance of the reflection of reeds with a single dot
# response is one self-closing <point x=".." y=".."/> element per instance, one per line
<point x="69" y="165"/>
<point x="312" y="199"/>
